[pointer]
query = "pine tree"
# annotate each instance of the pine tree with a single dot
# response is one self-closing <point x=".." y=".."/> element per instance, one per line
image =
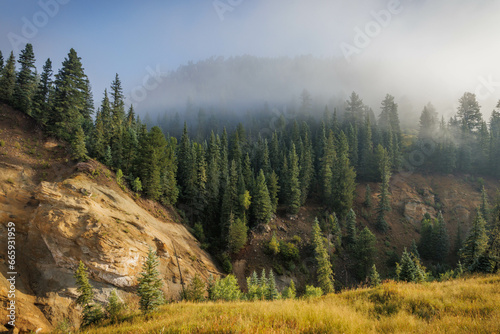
<point x="414" y="249"/>
<point x="261" y="202"/>
<point x="324" y="270"/>
<point x="351" y="228"/>
<point x="137" y="185"/>
<point x="274" y="188"/>
<point x="293" y="182"/>
<point x="70" y="98"/>
<point x="25" y="81"/>
<point x="306" y="165"/>
<point x="469" y="113"/>
<point x="92" y="313"/>
<point x="79" y="151"/>
<point x="117" y="120"/>
<point x="384" y="202"/>
<point x="441" y="240"/>
<point x="344" y="179"/>
<point x="485" y="206"/>
<point x="407" y="270"/>
<point x="253" y="287"/>
<point x="114" y="307"/>
<point x="272" y="291"/>
<point x="8" y="80"/>
<point x="327" y="165"/>
<point x="374" y="277"/>
<point x="475" y="245"/>
<point x="365" y="252"/>
<point x="237" y="234"/>
<point x="150" y="284"/>
<point x="42" y="98"/>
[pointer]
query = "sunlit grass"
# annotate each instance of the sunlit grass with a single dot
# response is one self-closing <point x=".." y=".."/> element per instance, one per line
<point x="458" y="306"/>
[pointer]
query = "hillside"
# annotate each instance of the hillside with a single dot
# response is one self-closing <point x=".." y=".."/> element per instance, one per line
<point x="66" y="212"/>
<point x="456" y="196"/>
<point x="458" y="306"/>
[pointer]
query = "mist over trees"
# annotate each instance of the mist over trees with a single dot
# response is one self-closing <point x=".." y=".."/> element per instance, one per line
<point x="228" y="176"/>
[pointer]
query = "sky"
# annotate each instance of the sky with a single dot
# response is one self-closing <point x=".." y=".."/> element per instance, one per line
<point x="420" y="50"/>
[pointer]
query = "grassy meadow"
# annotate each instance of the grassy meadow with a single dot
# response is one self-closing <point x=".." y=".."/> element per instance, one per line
<point x="458" y="306"/>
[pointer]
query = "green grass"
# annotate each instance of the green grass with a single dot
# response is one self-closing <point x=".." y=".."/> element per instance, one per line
<point x="457" y="306"/>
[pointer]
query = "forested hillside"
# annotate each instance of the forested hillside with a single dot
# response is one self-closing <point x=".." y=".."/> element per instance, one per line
<point x="228" y="178"/>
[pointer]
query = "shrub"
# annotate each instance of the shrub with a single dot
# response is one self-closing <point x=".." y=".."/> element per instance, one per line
<point x="226" y="289"/>
<point x="312" y="292"/>
<point x="288" y="251"/>
<point x="195" y="291"/>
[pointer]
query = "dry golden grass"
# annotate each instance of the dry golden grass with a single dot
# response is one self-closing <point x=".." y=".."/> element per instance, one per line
<point x="459" y="306"/>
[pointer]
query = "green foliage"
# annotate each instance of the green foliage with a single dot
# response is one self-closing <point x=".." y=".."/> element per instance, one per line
<point x="150" y="284"/>
<point x="410" y="269"/>
<point x="293" y="182"/>
<point x="290" y="292"/>
<point x="324" y="267"/>
<point x="226" y="289"/>
<point x="237" y="235"/>
<point x="137" y="185"/>
<point x="92" y="313"/>
<point x="262" y="203"/>
<point x="195" y="291"/>
<point x="114" y="307"/>
<point x="119" y="177"/>
<point x="365" y="252"/>
<point x="374" y="277"/>
<point x="25" y="81"/>
<point x="312" y="292"/>
<point x="273" y="245"/>
<point x="385" y="175"/>
<point x="368" y="197"/>
<point x="227" y="266"/>
<point x="351" y="228"/>
<point x="475" y="245"/>
<point x="79" y="151"/>
<point x="288" y="251"/>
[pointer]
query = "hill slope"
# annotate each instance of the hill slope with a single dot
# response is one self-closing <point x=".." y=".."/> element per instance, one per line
<point x="64" y="213"/>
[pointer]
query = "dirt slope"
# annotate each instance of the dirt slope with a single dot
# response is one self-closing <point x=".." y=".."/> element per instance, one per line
<point x="65" y="213"/>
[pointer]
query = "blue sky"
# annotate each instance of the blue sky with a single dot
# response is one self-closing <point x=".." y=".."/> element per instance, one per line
<point x="453" y="41"/>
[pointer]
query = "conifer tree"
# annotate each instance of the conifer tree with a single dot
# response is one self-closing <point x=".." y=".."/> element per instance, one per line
<point x="92" y="313"/>
<point x="469" y="113"/>
<point x="274" y="188"/>
<point x="261" y="201"/>
<point x="324" y="270"/>
<point x="25" y="81"/>
<point x="407" y="270"/>
<point x="351" y="227"/>
<point x="374" y="277"/>
<point x="8" y="80"/>
<point x="441" y="240"/>
<point x="475" y="245"/>
<point x="253" y="287"/>
<point x="365" y="252"/>
<point x="1" y="61"/>
<point x="79" y="151"/>
<point x="485" y="206"/>
<point x="150" y="284"/>
<point x="114" y="307"/>
<point x="237" y="234"/>
<point x="306" y="165"/>
<point x="42" y="97"/>
<point x="272" y="290"/>
<point x="384" y="202"/>
<point x="344" y="179"/>
<point x="117" y="120"/>
<point x="293" y="182"/>
<point x="70" y="97"/>
<point x="195" y="291"/>
<point x="368" y="196"/>
<point x="327" y="165"/>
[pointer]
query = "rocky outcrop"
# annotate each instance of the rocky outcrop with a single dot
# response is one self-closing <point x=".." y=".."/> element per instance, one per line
<point x="61" y="223"/>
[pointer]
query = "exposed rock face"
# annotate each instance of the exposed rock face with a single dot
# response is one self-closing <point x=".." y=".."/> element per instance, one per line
<point x="60" y="223"/>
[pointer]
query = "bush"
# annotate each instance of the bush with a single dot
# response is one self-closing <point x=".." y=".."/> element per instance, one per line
<point x="288" y="251"/>
<point x="195" y="291"/>
<point x="273" y="246"/>
<point x="312" y="292"/>
<point x="227" y="266"/>
<point x="226" y="289"/>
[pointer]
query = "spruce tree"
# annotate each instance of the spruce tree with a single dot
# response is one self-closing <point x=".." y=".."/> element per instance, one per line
<point x="475" y="245"/>
<point x="70" y="98"/>
<point x="327" y="165"/>
<point x="485" y="206"/>
<point x="374" y="277"/>
<point x="351" y="228"/>
<point x="272" y="291"/>
<point x="274" y="188"/>
<point x="384" y="201"/>
<point x="237" y="234"/>
<point x="469" y="113"/>
<point x="261" y="201"/>
<point x="42" y="98"/>
<point x="290" y="292"/>
<point x="195" y="291"/>
<point x="293" y="182"/>
<point x="114" y="307"/>
<point x="79" y="151"/>
<point x="368" y="196"/>
<point x="8" y="80"/>
<point x="344" y="179"/>
<point x="150" y="284"/>
<point x="407" y="270"/>
<point x="441" y="240"/>
<point x="324" y="267"/>
<point x="25" y="81"/>
<point x="92" y="313"/>
<point x="365" y="252"/>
